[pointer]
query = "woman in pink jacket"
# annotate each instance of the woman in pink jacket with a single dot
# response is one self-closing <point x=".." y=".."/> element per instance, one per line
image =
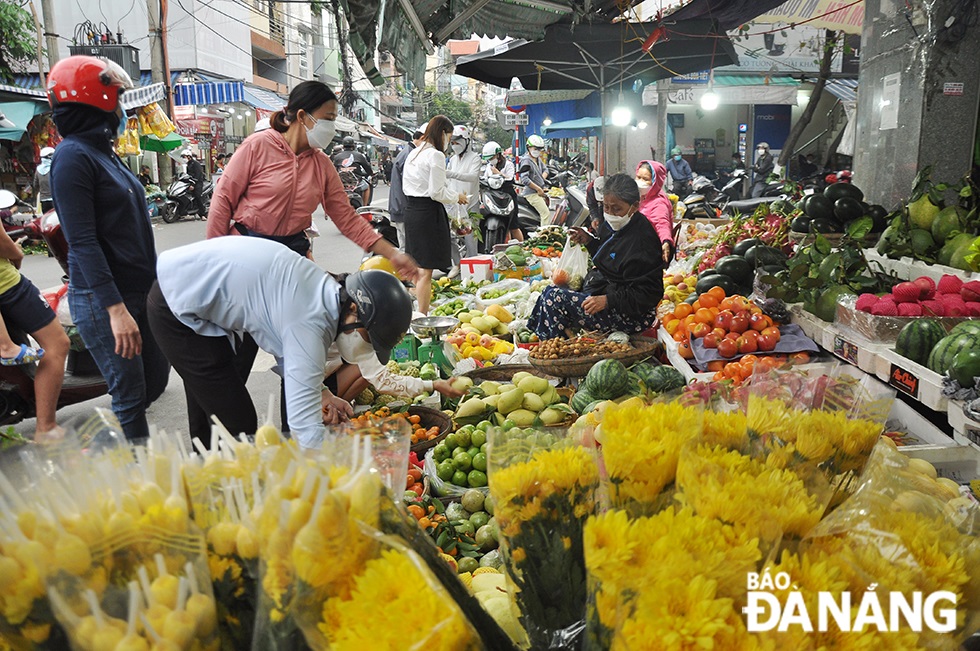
<point x="655" y="205"/>
<point x="279" y="176"/>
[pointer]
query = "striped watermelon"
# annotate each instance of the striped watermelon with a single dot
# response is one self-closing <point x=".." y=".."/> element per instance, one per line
<point x="665" y="378"/>
<point x="918" y="338"/>
<point x="941" y="357"/>
<point x="581" y="400"/>
<point x="607" y="380"/>
<point x="972" y="327"/>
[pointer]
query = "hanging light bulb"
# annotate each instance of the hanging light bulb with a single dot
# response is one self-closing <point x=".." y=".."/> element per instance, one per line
<point x="621" y="115"/>
<point x="546" y="122"/>
<point x="642" y="124"/>
<point x="710" y="99"/>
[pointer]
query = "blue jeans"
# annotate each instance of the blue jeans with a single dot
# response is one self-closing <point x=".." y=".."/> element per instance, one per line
<point x="133" y="383"/>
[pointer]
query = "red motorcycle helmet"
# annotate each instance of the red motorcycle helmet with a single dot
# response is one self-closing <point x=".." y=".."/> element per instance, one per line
<point x="88" y="80"/>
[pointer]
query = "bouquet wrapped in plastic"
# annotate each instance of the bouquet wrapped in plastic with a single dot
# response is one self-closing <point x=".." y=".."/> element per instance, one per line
<point x="153" y="120"/>
<point x="544" y="490"/>
<point x="129" y="142"/>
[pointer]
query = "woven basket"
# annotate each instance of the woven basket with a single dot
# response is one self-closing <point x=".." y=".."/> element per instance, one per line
<point x="503" y="373"/>
<point x="430" y="418"/>
<point x="579" y="366"/>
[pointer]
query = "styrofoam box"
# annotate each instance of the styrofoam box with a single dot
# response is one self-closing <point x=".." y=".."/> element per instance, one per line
<point x="961" y="463"/>
<point x="911" y="379"/>
<point x="852" y="348"/>
<point x="678" y="362"/>
<point x="812" y="326"/>
<point x="908" y="268"/>
<point x="966" y="430"/>
<point x="478" y="268"/>
<point x="907" y="418"/>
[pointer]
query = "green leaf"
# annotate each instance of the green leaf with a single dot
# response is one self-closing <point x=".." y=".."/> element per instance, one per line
<point x="966" y="191"/>
<point x="936" y="196"/>
<point x="942" y="187"/>
<point x="860" y="227"/>
<point x="798" y="272"/>
<point x="822" y="244"/>
<point x="769" y="280"/>
<point x="813" y="282"/>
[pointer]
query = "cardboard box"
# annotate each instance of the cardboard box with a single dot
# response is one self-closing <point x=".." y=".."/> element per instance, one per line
<point x="479" y="268"/>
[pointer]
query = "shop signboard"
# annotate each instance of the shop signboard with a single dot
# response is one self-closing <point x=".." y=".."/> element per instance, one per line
<point x="209" y="131"/>
<point x="840" y="15"/>
<point x="780" y="51"/>
<point x="772" y="124"/>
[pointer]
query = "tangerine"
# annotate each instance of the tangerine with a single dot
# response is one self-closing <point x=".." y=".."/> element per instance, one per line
<point x="704" y="315"/>
<point x="682" y="310"/>
<point x="717" y="292"/>
<point x="709" y="300"/>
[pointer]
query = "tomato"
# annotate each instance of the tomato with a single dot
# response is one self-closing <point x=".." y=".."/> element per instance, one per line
<point x="710" y="340"/>
<point x="719" y="332"/>
<point x="767" y="343"/>
<point x="732" y="335"/>
<point x="708" y="300"/>
<point x="724" y="320"/>
<point x="416" y="473"/>
<point x="759" y="322"/>
<point x="740" y="304"/>
<point x="746" y="345"/>
<point x="685" y="350"/>
<point x="727" y="348"/>
<point x="699" y="330"/>
<point x="751" y="335"/>
<point x="773" y="331"/>
<point x="740" y="323"/>
<point x="703" y="315"/>
<point x="718" y="293"/>
<point x="418" y="488"/>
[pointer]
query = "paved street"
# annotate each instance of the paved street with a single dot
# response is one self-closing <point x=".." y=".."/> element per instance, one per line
<point x="332" y="250"/>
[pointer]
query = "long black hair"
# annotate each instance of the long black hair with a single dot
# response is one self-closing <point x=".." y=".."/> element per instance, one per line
<point x="307" y="96"/>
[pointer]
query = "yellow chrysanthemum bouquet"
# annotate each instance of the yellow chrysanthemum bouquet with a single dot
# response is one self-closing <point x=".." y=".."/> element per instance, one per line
<point x="544" y="487"/>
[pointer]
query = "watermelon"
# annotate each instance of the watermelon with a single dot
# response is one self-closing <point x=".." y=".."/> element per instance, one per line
<point x="643" y="370"/>
<point x="941" y="357"/>
<point x="918" y="338"/>
<point x="664" y="378"/>
<point x="965" y="367"/>
<point x="606" y="380"/>
<point x="580" y="401"/>
<point x="736" y="268"/>
<point x="636" y="385"/>
<point x="972" y="327"/>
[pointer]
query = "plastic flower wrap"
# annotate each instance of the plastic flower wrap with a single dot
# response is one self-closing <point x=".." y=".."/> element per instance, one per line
<point x="391" y="441"/>
<point x="640" y="448"/>
<point x="675" y="577"/>
<point x="543" y="494"/>
<point x="903" y="532"/>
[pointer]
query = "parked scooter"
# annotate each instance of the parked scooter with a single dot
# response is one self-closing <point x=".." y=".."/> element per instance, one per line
<point x="527" y="217"/>
<point x="705" y="200"/>
<point x="496" y="206"/>
<point x="180" y="194"/>
<point x="158" y="206"/>
<point x="734" y="187"/>
<point x="355" y="186"/>
<point x="380" y="220"/>
<point x="15" y="214"/>
<point x="82" y="378"/>
<point x="573" y="210"/>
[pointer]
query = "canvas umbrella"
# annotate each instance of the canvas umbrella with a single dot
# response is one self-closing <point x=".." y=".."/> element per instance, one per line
<point x="602" y="56"/>
<point x="168" y="143"/>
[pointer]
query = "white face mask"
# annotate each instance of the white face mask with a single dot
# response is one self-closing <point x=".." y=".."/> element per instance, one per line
<point x="616" y="222"/>
<point x="535" y="153"/>
<point x="458" y="148"/>
<point x="352" y="346"/>
<point x="760" y="152"/>
<point x="322" y="133"/>
<point x="644" y="186"/>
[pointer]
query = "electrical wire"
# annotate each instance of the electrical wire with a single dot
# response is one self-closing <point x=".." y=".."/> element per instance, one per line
<point x="119" y="22"/>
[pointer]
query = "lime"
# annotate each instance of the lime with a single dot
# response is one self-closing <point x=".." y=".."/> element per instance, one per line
<point x="473" y="451"/>
<point x="479" y="438"/>
<point x="452" y="441"/>
<point x="483" y="448"/>
<point x="462" y="439"/>
<point x="464" y="527"/>
<point x="476" y="478"/>
<point x="441" y="452"/>
<point x="488" y="504"/>
<point x="472" y="500"/>
<point x="509" y="425"/>
<point x="480" y="462"/>
<point x="462" y="461"/>
<point x="467" y="564"/>
<point x="484" y="425"/>
<point x="445" y="470"/>
<point x="479" y="519"/>
<point x="459" y="478"/>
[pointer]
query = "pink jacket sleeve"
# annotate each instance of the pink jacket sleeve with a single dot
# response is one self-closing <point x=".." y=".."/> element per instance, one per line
<point x="660" y="214"/>
<point x="227" y="194"/>
<point x="338" y="208"/>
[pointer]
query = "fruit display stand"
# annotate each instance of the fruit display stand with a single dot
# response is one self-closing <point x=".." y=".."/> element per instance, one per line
<point x="914" y="380"/>
<point x="925" y="434"/>
<point x="961" y="463"/>
<point x="678" y="362"/>
<point x="842" y="342"/>
<point x="908" y="268"/>
<point x="966" y="431"/>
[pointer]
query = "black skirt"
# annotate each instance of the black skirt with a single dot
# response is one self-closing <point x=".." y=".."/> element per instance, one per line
<point x="427" y="233"/>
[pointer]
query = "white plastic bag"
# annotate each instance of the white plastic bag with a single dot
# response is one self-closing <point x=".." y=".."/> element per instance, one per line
<point x="572" y="266"/>
<point x="513" y="290"/>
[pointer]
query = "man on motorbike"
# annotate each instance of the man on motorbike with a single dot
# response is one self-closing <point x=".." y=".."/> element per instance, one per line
<point x="497" y="163"/>
<point x="533" y="173"/>
<point x="764" y="165"/>
<point x="196" y="171"/>
<point x="680" y="171"/>
<point x="463" y="172"/>
<point x="359" y="164"/>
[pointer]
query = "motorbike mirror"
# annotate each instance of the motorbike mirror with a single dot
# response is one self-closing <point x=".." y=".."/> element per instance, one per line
<point x="7" y="199"/>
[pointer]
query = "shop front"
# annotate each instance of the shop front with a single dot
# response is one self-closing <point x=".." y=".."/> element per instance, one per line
<point x="28" y="113"/>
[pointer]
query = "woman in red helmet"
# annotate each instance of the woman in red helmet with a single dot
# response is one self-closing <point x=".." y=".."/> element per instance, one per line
<point x="112" y="257"/>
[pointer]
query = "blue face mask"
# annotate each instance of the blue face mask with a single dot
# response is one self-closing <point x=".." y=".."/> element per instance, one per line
<point x="677" y="157"/>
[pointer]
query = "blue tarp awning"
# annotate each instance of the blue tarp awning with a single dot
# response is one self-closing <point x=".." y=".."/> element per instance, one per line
<point x="574" y="128"/>
<point x="20" y="113"/>
<point x="843" y="89"/>
<point x="208" y="92"/>
<point x="263" y="99"/>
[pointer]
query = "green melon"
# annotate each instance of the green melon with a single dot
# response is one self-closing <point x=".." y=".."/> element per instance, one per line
<point x="953" y="246"/>
<point x="972" y="327"/>
<point x="922" y="241"/>
<point x="949" y="219"/>
<point x="644" y="371"/>
<point x="826" y="307"/>
<point x="965" y="367"/>
<point x="665" y="378"/>
<point x="580" y="401"/>
<point x="606" y="380"/>
<point x="918" y="338"/>
<point x="941" y="357"/>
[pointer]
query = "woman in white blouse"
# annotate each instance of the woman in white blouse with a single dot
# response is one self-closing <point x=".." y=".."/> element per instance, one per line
<point x="426" y="196"/>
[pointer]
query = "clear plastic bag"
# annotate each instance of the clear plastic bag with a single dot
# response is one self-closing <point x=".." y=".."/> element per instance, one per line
<point x="442" y="488"/>
<point x="572" y="267"/>
<point x="157" y="121"/>
<point x="503" y="292"/>
<point x="544" y="487"/>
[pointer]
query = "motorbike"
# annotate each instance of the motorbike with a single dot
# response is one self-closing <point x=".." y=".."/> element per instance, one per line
<point x="354" y="185"/>
<point x="380" y="220"/>
<point x="496" y="206"/>
<point x="528" y="218"/>
<point x="733" y="187"/>
<point x="82" y="379"/>
<point x="573" y="210"/>
<point x="180" y="197"/>
<point x="15" y="221"/>
<point x="158" y="206"/>
<point x="705" y="200"/>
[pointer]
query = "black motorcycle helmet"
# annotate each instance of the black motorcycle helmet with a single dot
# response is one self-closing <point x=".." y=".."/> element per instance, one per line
<point x="370" y="290"/>
<point x="348" y="143"/>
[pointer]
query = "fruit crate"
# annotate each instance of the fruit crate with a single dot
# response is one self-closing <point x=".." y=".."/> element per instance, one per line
<point x="903" y="416"/>
<point x="678" y="362"/>
<point x="852" y="348"/>
<point x="912" y="379"/>
<point x="966" y="431"/>
<point x="961" y="463"/>
<point x="908" y="268"/>
<point x="812" y="326"/>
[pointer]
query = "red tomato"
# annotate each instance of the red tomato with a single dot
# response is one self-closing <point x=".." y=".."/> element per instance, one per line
<point x="746" y="346"/>
<point x="418" y="488"/>
<point x="710" y="340"/>
<point x="718" y="332"/>
<point x="724" y="320"/>
<point x="740" y="323"/>
<point x="699" y="330"/>
<point x="751" y="335"/>
<point x="727" y="348"/>
<point x="772" y="331"/>
<point x="767" y="343"/>
<point x="759" y="322"/>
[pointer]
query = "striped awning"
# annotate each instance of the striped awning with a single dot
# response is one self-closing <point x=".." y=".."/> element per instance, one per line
<point x="263" y="99"/>
<point x="142" y="96"/>
<point x="843" y="89"/>
<point x="208" y="92"/>
<point x="22" y="90"/>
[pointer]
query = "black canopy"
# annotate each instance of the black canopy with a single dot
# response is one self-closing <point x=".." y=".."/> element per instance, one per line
<point x="601" y="56"/>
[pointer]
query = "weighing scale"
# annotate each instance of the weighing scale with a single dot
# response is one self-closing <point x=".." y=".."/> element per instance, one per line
<point x="436" y="350"/>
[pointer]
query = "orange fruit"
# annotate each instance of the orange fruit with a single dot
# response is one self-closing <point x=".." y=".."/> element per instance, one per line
<point x="709" y="300"/>
<point x="417" y="511"/>
<point x="716" y="365"/>
<point x="704" y="315"/>
<point x="682" y="310"/>
<point x="717" y="292"/>
<point x="672" y="326"/>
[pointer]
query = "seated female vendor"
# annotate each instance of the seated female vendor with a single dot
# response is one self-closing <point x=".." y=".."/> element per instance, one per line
<point x="622" y="291"/>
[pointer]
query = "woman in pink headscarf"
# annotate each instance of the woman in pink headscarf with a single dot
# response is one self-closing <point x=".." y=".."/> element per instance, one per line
<point x="655" y="205"/>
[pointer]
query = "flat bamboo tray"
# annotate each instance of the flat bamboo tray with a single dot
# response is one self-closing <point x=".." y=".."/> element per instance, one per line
<point x="579" y="366"/>
<point x="503" y="373"/>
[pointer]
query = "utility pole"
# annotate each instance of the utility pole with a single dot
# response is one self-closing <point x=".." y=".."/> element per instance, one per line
<point x="40" y="46"/>
<point x="663" y="102"/>
<point x="50" y="32"/>
<point x="158" y="75"/>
